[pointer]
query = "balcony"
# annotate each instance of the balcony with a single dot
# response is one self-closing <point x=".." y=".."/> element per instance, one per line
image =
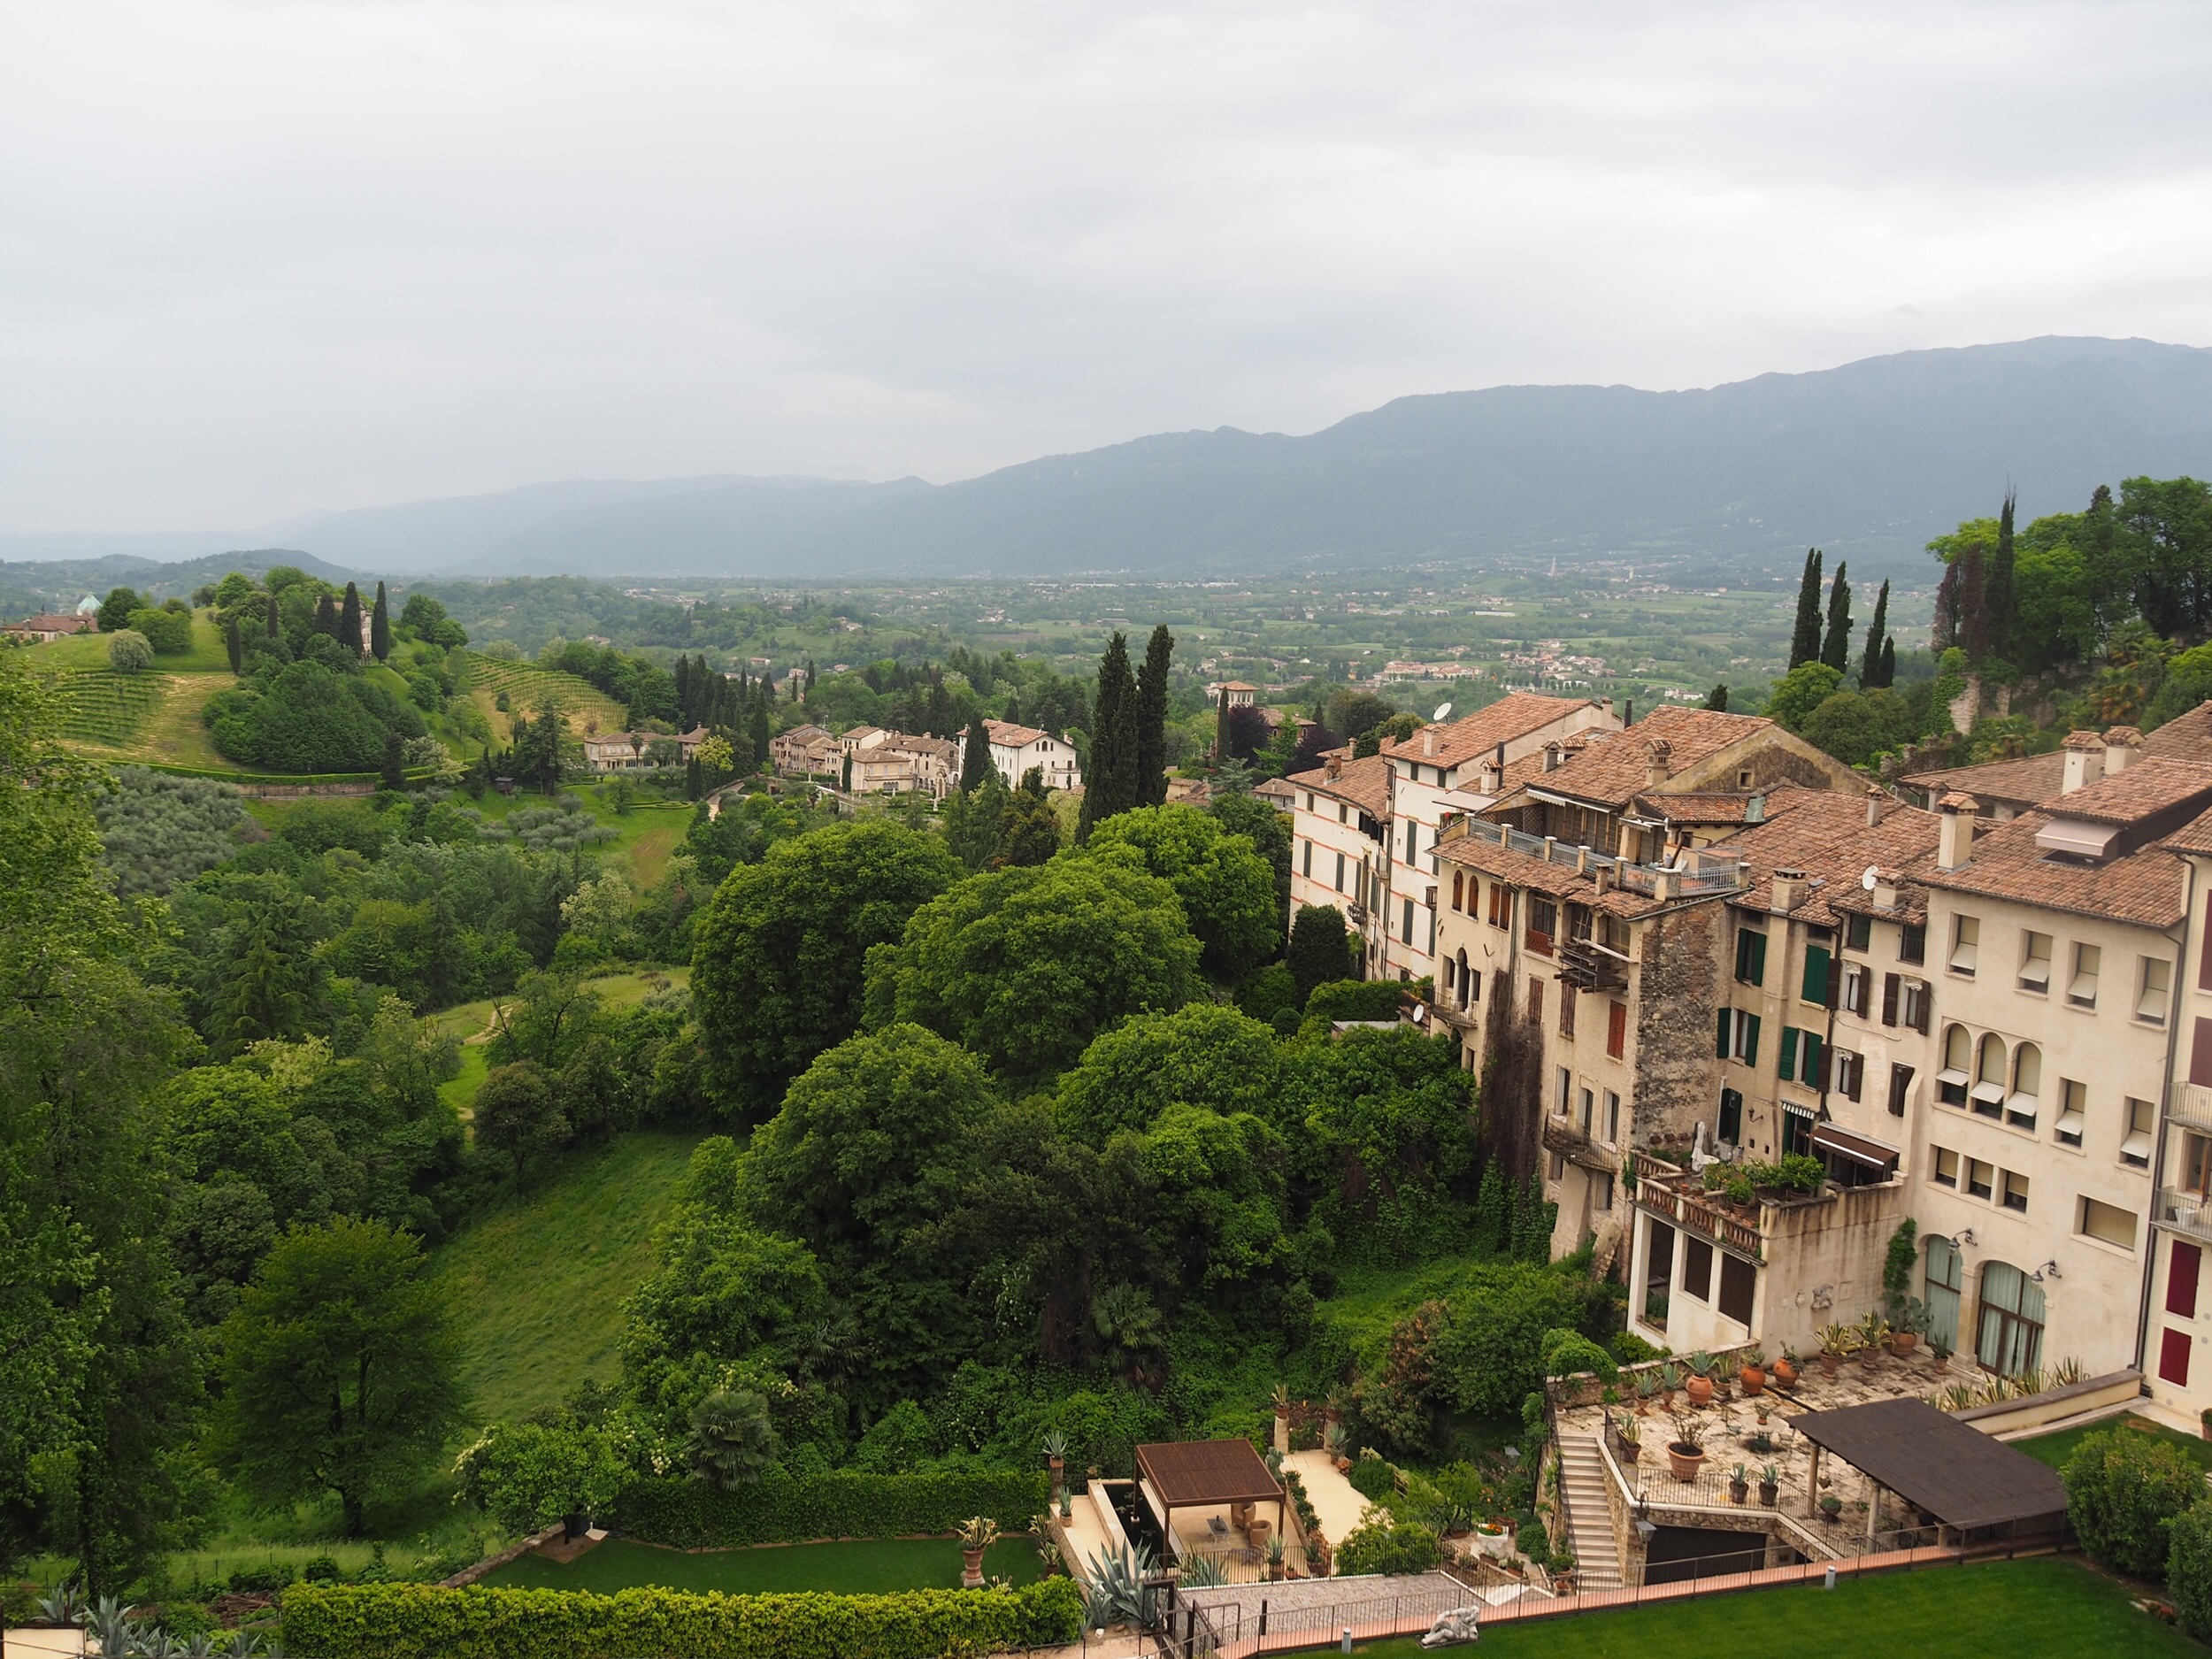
<point x="2186" y="1213"/>
<point x="2192" y="1107"/>
<point x="1662" y="1196"/>
<point x="1565" y="1137"/>
<point x="1588" y="967"/>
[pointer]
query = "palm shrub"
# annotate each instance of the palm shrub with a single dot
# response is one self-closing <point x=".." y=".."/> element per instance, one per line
<point x="2122" y="1491"/>
<point x="731" y="1440"/>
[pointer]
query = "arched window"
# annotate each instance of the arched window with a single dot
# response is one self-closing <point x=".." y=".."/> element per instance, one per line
<point x="1958" y="1059"/>
<point x="2027" y="1085"/>
<point x="1463" y="986"/>
<point x="1946" y="1274"/>
<point x="2009" y="1340"/>
<point x="1989" y="1077"/>
<point x="1459" y="887"/>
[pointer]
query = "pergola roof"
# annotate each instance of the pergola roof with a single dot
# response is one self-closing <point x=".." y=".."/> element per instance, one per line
<point x="1931" y="1460"/>
<point x="1188" y="1474"/>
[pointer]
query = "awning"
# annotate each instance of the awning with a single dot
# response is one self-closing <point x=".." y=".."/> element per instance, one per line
<point x="1858" y="1149"/>
<point x="1934" y="1461"/>
<point x="1792" y="1108"/>
<point x="2077" y="836"/>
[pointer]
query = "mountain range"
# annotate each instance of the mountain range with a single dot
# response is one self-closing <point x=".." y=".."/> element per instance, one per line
<point x="1869" y="459"/>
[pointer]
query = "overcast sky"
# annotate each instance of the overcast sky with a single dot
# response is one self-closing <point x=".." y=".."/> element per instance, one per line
<point x="256" y="258"/>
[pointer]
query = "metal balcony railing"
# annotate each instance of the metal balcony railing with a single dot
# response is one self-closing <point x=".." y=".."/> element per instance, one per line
<point x="2189" y="1213"/>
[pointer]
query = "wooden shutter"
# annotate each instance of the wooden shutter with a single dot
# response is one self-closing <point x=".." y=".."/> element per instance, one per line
<point x="1727" y="1030"/>
<point x="2182" y="1268"/>
<point x="1815" y="988"/>
<point x="1616" y="1029"/>
<point x="2200" y="1053"/>
<point x="1889" y="999"/>
<point x="1751" y="1044"/>
<point x="1813" y="1068"/>
<point x="2173" y="1357"/>
<point x="2204" y="957"/>
<point x="1787" y="1068"/>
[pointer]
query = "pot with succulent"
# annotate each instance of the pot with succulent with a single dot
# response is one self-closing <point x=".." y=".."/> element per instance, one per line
<point x="1338" y="1445"/>
<point x="1907" y="1325"/>
<point x="1670" y="1379"/>
<point x="1699" y="1385"/>
<point x="1941" y="1349"/>
<point x="1056" y="1457"/>
<point x="1752" y="1376"/>
<point x="1837" y="1343"/>
<point x="1739" y="1485"/>
<point x="1333" y="1407"/>
<point x="978" y="1533"/>
<point x="1769" y="1485"/>
<point x="1830" y="1506"/>
<point x="1647" y="1391"/>
<point x="1630" y="1435"/>
<point x="1686" y="1452"/>
<point x="1874" y="1334"/>
<point x="1785" y="1370"/>
<point x="1277" y="1552"/>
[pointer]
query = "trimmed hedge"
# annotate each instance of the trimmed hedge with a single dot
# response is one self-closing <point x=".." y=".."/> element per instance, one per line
<point x="781" y="1510"/>
<point x="421" y="1621"/>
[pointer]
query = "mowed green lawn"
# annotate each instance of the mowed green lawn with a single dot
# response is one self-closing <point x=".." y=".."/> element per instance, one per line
<point x="856" y="1567"/>
<point x="2005" y="1609"/>
<point x="2054" y="1449"/>
<point x="539" y="1282"/>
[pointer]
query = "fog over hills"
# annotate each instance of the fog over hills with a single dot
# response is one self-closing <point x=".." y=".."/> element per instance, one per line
<point x="1869" y="459"/>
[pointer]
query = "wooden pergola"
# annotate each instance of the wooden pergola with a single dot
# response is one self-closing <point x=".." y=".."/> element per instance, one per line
<point x="1975" y="1487"/>
<point x="1209" y="1475"/>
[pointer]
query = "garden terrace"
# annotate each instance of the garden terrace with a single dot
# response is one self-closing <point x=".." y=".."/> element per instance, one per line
<point x="1204" y="1492"/>
<point x="1975" y="1487"/>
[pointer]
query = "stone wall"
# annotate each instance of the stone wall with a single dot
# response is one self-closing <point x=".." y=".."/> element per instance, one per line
<point x="1677" y="996"/>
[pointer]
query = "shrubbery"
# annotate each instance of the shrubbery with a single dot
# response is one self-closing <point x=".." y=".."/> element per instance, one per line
<point x="1566" y="1352"/>
<point x="1382" y="1546"/>
<point x="1372" y="1477"/>
<point x="2189" y="1569"/>
<point x="782" y="1509"/>
<point x="2123" y="1491"/>
<point x="413" y="1621"/>
<point x="1354" y="999"/>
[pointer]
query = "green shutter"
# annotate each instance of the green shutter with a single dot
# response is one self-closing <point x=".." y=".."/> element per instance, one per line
<point x="1743" y="953"/>
<point x="1751" y="1048"/>
<point x="1720" y="1040"/>
<point x="1810" y="1071"/>
<point x="1789" y="1054"/>
<point x="1816" y="987"/>
<point x="1758" y="958"/>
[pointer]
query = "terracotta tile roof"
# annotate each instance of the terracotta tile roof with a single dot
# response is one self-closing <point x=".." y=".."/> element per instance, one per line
<point x="2026" y="781"/>
<point x="2193" y="837"/>
<point x="2144" y="887"/>
<point x="1005" y="737"/>
<point x="1713" y="806"/>
<point x="1514" y="716"/>
<point x="1826" y="835"/>
<point x="2188" y="735"/>
<point x="1364" y="783"/>
<point x="1615" y="765"/>
<point x="1524" y="870"/>
<point x="2148" y="787"/>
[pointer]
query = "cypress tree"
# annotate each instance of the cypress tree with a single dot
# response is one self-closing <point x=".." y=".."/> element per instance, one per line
<point x="2001" y="593"/>
<point x="975" y="755"/>
<point x="1877" y="631"/>
<point x="325" y="617"/>
<point x="1889" y="660"/>
<point x="1109" y="781"/>
<point x="395" y="767"/>
<point x="1152" y="718"/>
<point x="760" y="735"/>
<point x="233" y="644"/>
<point x="1716" y="699"/>
<point x="686" y="696"/>
<point x="381" y="627"/>
<point x="1805" y="638"/>
<point x="349" y="620"/>
<point x="1836" y="651"/>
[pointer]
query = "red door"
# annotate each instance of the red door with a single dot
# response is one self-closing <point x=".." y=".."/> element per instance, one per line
<point x="2181" y="1279"/>
<point x="2173" y="1358"/>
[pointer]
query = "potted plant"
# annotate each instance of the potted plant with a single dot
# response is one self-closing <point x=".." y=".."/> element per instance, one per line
<point x="1769" y="1485"/>
<point x="1941" y="1349"/>
<point x="1067" y="1504"/>
<point x="1277" y="1553"/>
<point x="1647" y="1391"/>
<point x="1837" y="1342"/>
<point x="1632" y="1439"/>
<point x="978" y="1533"/>
<point x="1907" y="1325"/>
<point x="1739" y="1485"/>
<point x="1670" y="1379"/>
<point x="1753" y="1376"/>
<point x="1700" y="1387"/>
<point x="1562" y="1573"/>
<point x="1874" y="1335"/>
<point x="1334" y="1442"/>
<point x="1686" y="1452"/>
<point x="1056" y="1456"/>
<point x="1786" y="1372"/>
<point x="1332" y="1408"/>
<point x="1830" y="1506"/>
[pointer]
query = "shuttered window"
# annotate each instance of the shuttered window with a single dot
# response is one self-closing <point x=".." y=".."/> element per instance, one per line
<point x="2181" y="1279"/>
<point x="1737" y="1278"/>
<point x="1814" y="986"/>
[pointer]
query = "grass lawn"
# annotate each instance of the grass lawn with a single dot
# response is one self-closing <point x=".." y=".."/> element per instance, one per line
<point x="2054" y="1449"/>
<point x="539" y="1281"/>
<point x="208" y="655"/>
<point x="2006" y="1610"/>
<point x="853" y="1567"/>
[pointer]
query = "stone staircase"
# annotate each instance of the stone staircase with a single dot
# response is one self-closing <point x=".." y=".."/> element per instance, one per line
<point x="1582" y="1480"/>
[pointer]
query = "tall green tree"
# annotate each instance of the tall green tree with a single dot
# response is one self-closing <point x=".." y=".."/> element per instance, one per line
<point x="974" y="821"/>
<point x="1320" y="949"/>
<point x="326" y="616"/>
<point x="349" y="631"/>
<point x="271" y="620"/>
<point x="234" y="647"/>
<point x="1109" y="776"/>
<point x="1028" y="829"/>
<point x="1152" y="718"/>
<point x="1805" y="637"/>
<point x="777" y="971"/>
<point x="341" y="1370"/>
<point x="975" y="755"/>
<point x="1227" y="889"/>
<point x="1836" y="649"/>
<point x="380" y="627"/>
<point x="1877" y="631"/>
<point x="2001" y="586"/>
<point x="1889" y="660"/>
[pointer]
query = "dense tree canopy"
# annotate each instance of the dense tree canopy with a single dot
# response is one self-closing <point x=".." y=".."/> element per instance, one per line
<point x="1227" y="889"/>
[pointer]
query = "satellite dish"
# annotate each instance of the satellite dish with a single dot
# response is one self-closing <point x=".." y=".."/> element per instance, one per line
<point x="1442" y="709"/>
<point x="1867" y="881"/>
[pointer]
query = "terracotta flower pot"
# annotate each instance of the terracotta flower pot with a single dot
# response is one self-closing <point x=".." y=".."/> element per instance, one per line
<point x="1901" y="1343"/>
<point x="1666" y="1399"/>
<point x="1700" y="1389"/>
<point x="1785" y="1375"/>
<point x="1630" y="1448"/>
<point x="1828" y="1363"/>
<point x="1738" y="1491"/>
<point x="1754" y="1381"/>
<point x="971" y="1569"/>
<point x="1769" y="1495"/>
<point x="1685" y="1461"/>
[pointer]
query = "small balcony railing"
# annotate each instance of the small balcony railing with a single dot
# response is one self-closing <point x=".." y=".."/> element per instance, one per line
<point x="1568" y="1138"/>
<point x="2189" y="1213"/>
<point x="1661" y="1188"/>
<point x="2192" y="1106"/>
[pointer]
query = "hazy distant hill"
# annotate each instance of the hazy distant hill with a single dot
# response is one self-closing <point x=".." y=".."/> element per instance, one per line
<point x="64" y="581"/>
<point x="1868" y="460"/>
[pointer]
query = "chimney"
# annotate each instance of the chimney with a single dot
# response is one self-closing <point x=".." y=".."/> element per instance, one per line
<point x="1789" y="888"/>
<point x="2122" y="747"/>
<point x="1954" y="841"/>
<point x="1551" y="755"/>
<point x="1657" y="757"/>
<point x="1603" y="878"/>
<point x="1605" y="707"/>
<point x="1885" y="889"/>
<point x="1874" y="798"/>
<point x="1336" y="765"/>
<point x="1428" y="742"/>
<point x="2085" y="761"/>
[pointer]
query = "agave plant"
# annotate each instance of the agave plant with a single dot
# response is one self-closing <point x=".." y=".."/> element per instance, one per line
<point x="2067" y="1372"/>
<point x="1057" y="1445"/>
<point x="109" y="1624"/>
<point x="59" y="1609"/>
<point x="1282" y="1400"/>
<point x="1049" y="1561"/>
<point x="1202" y="1573"/>
<point x="1118" y="1592"/>
<point x="979" y="1531"/>
<point x="159" y="1644"/>
<point x="201" y="1647"/>
<point x="1333" y="1440"/>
